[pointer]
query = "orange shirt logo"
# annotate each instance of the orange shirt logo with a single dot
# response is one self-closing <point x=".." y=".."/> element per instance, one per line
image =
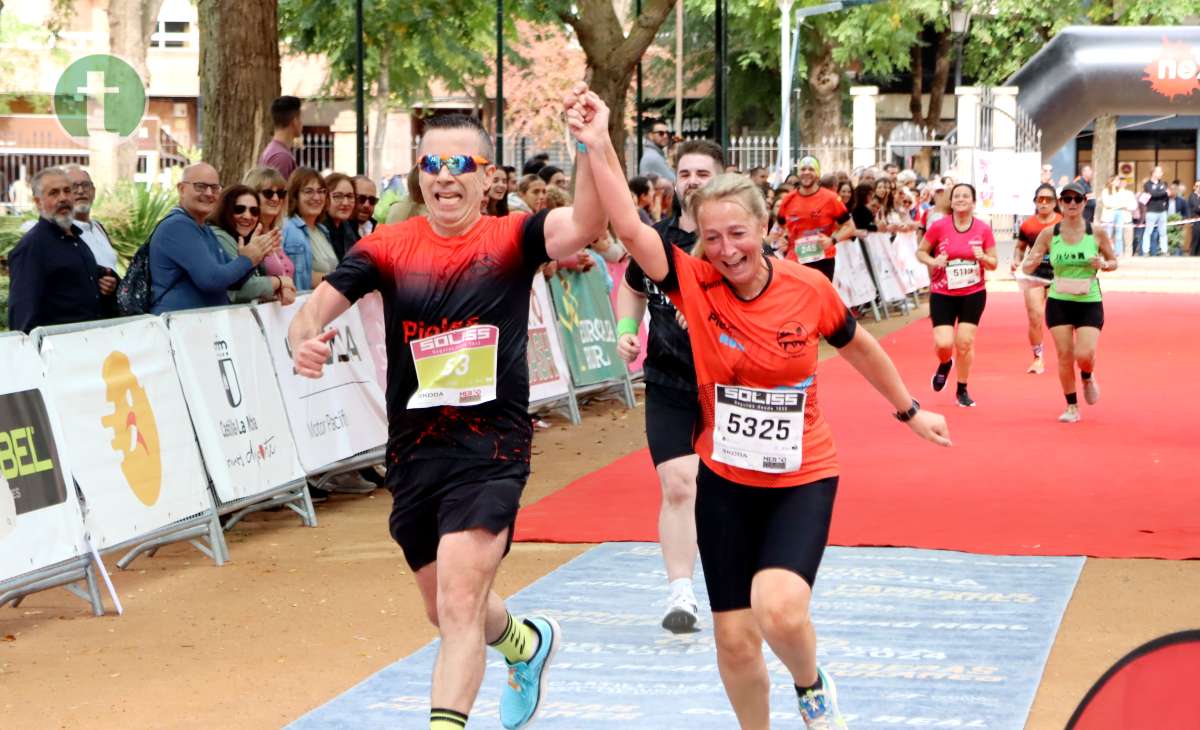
<point x="135" y="432"/>
<point x="1176" y="71"/>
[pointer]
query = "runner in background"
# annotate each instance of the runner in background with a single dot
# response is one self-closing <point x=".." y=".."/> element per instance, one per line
<point x="456" y="287"/>
<point x="816" y="220"/>
<point x="1046" y="214"/>
<point x="1074" y="310"/>
<point x="957" y="249"/>
<point x="768" y="471"/>
<point x="671" y="411"/>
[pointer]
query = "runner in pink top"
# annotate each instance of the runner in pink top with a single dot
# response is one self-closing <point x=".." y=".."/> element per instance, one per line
<point x="957" y="249"/>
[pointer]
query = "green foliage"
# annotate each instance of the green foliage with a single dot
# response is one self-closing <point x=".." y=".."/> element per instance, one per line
<point x="10" y="231"/>
<point x="129" y="212"/>
<point x="418" y="41"/>
<point x="1174" y="235"/>
<point x="3" y="302"/>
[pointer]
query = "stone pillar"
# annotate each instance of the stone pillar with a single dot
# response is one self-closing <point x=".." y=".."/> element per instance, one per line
<point x="345" y="154"/>
<point x="1004" y="124"/>
<point x="397" y="156"/>
<point x="865" y="99"/>
<point x="968" y="132"/>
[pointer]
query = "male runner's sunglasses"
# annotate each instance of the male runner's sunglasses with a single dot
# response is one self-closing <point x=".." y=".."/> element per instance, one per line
<point x="456" y="164"/>
<point x="1070" y="199"/>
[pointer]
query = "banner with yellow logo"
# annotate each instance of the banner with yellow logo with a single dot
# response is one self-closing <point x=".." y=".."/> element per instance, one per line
<point x="126" y="428"/>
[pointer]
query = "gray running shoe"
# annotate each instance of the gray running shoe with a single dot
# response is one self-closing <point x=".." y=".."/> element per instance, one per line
<point x="1091" y="391"/>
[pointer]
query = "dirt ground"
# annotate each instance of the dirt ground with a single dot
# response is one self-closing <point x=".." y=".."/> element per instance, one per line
<point x="300" y="615"/>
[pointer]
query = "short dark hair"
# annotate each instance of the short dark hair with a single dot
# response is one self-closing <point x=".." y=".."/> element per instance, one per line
<point x="548" y="172"/>
<point x="829" y="180"/>
<point x="534" y="164"/>
<point x="754" y="170"/>
<point x="649" y="122"/>
<point x="508" y="169"/>
<point x="461" y="121"/>
<point x="701" y="147"/>
<point x="966" y="185"/>
<point x="284" y="111"/>
<point x="639" y="185"/>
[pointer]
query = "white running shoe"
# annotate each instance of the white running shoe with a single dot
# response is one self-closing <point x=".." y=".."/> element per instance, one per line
<point x="819" y="708"/>
<point x="682" y="612"/>
<point x="1091" y="391"/>
<point x="1071" y="415"/>
<point x="1038" y="366"/>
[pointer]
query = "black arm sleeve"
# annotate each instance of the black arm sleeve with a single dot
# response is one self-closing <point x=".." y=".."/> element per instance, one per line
<point x="842" y="336"/>
<point x="670" y="282"/>
<point x="635" y="277"/>
<point x="533" y="241"/>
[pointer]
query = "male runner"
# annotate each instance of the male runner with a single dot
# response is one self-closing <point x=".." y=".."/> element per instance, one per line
<point x="816" y="220"/>
<point x="456" y="287"/>
<point x="671" y="410"/>
<point x="1046" y="215"/>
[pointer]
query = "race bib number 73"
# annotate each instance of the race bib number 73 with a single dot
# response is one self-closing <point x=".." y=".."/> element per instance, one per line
<point x="758" y="429"/>
<point x="456" y="368"/>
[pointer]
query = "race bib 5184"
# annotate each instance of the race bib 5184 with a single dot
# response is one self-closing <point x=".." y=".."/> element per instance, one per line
<point x="456" y="368"/>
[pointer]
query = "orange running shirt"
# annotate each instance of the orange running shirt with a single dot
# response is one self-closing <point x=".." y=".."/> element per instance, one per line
<point x="756" y="369"/>
<point x="818" y="214"/>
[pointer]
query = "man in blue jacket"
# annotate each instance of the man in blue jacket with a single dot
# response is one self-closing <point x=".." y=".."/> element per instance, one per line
<point x="188" y="267"/>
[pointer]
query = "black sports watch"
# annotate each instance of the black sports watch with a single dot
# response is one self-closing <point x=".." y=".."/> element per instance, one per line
<point x="906" y="416"/>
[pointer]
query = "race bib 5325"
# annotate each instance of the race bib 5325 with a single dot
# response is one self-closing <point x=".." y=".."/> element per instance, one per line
<point x="758" y="429"/>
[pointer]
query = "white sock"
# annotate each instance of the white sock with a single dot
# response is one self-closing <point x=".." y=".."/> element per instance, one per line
<point x="681" y="584"/>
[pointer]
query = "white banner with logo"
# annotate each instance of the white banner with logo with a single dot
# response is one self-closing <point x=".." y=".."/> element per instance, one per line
<point x="548" y="374"/>
<point x="851" y="277"/>
<point x="126" y="429"/>
<point x="237" y="410"/>
<point x="1004" y="182"/>
<point x="342" y="413"/>
<point x="40" y="520"/>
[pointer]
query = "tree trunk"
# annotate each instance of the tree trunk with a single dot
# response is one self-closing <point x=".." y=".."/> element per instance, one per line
<point x="130" y="25"/>
<point x="1104" y="151"/>
<point x="930" y="119"/>
<point x="239" y="78"/>
<point x="821" y="119"/>
<point x="611" y="55"/>
<point x="379" y="112"/>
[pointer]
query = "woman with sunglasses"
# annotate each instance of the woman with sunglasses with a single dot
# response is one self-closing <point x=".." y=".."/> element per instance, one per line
<point x="237" y="222"/>
<point x="964" y="248"/>
<point x="1046" y="214"/>
<point x="272" y="196"/>
<point x="339" y="215"/>
<point x="1074" y="310"/>
<point x="303" y="240"/>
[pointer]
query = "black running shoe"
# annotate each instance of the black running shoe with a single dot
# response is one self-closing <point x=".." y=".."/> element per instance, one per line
<point x="964" y="400"/>
<point x="939" y="377"/>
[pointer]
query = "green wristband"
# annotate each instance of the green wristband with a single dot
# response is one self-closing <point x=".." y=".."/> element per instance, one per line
<point x="627" y="326"/>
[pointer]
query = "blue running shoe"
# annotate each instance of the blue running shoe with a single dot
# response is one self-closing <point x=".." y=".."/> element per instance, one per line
<point x="526" y="686"/>
<point x="819" y="707"/>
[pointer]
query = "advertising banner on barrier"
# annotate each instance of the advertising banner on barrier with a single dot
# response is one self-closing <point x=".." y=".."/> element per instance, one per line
<point x="370" y="309"/>
<point x="126" y="429"/>
<point x="1005" y="181"/>
<point x="40" y="520"/>
<point x="547" y="365"/>
<point x="342" y="413"/>
<point x="585" y="319"/>
<point x="851" y="277"/>
<point x="237" y="410"/>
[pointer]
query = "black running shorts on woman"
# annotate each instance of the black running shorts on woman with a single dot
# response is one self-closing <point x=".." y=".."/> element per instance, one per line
<point x="672" y="416"/>
<point x="945" y="309"/>
<point x="1076" y="314"/>
<point x="742" y="530"/>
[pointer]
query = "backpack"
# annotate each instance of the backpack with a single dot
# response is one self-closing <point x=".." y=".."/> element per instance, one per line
<point x="135" y="295"/>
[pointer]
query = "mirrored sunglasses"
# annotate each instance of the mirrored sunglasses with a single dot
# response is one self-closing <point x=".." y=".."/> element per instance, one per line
<point x="456" y="164"/>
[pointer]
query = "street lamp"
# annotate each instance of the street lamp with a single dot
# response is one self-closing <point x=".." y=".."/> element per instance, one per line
<point x="960" y="21"/>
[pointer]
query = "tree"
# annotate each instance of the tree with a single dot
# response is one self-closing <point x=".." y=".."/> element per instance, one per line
<point x="239" y="77"/>
<point x="130" y="25"/>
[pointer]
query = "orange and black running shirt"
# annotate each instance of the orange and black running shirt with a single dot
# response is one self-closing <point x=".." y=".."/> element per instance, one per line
<point x="756" y="369"/>
<point x="1027" y="234"/>
<point x="808" y="216"/>
<point x="459" y="306"/>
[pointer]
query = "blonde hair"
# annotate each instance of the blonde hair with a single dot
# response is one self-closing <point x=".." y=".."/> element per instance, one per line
<point x="737" y="189"/>
<point x="556" y="197"/>
<point x="268" y="177"/>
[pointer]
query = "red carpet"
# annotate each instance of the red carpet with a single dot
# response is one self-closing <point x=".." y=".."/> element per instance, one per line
<point x="1121" y="483"/>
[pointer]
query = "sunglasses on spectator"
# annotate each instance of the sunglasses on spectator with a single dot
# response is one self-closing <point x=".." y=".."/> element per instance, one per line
<point x="1071" y="199"/>
<point x="273" y="193"/>
<point x="202" y="188"/>
<point x="1043" y="199"/>
<point x="367" y="200"/>
<point x="456" y="164"/>
<point x="241" y="210"/>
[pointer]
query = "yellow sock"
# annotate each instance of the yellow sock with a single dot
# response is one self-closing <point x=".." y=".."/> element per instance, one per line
<point x="442" y="719"/>
<point x="518" y="642"/>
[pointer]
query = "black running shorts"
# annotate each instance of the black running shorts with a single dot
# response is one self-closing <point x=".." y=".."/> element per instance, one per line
<point x="825" y="266"/>
<point x="945" y="309"/>
<point x="742" y="530"/>
<point x="435" y="497"/>
<point x="1075" y="314"/>
<point x="672" y="417"/>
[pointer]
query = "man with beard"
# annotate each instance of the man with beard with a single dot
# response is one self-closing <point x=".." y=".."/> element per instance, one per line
<point x="55" y="279"/>
<point x="816" y="220"/>
<point x="672" y="413"/>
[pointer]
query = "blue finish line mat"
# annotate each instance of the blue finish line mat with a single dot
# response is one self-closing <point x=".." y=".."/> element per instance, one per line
<point x="912" y="637"/>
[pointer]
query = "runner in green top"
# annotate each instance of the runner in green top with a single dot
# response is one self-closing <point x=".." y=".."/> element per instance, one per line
<point x="1074" y="311"/>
